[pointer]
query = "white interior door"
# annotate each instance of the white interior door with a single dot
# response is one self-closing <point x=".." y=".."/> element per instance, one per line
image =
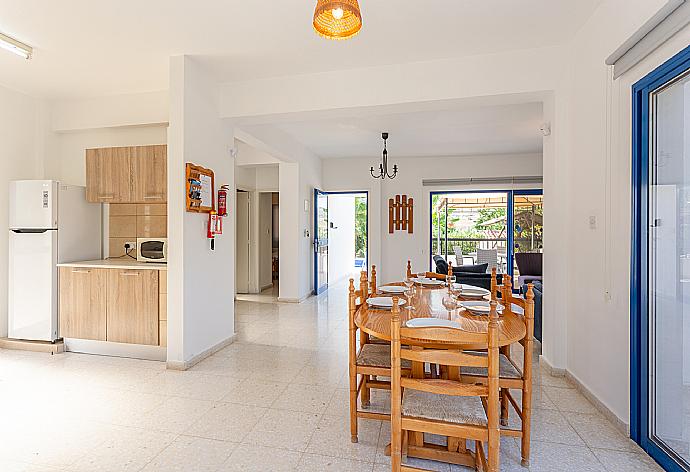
<point x="32" y="287"/>
<point x="242" y="240"/>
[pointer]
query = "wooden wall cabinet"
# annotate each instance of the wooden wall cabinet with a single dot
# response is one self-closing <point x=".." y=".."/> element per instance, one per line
<point x="108" y="175"/>
<point x="132" y="306"/>
<point x="83" y="303"/>
<point x="150" y="173"/>
<point x="134" y="174"/>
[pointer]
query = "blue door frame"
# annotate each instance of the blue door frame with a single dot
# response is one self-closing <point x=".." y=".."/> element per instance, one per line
<point x="639" y="270"/>
<point x="320" y="289"/>
<point x="510" y="219"/>
<point x="317" y="288"/>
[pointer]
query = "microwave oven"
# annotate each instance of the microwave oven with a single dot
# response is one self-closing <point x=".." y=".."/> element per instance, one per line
<point x="152" y="249"/>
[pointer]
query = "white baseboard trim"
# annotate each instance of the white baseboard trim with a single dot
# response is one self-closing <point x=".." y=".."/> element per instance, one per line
<point x="617" y="422"/>
<point x="551" y="370"/>
<point x="294" y="300"/>
<point x="184" y="365"/>
<point x="107" y="348"/>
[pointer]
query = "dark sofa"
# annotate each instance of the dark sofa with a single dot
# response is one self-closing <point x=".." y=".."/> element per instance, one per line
<point x="467" y="274"/>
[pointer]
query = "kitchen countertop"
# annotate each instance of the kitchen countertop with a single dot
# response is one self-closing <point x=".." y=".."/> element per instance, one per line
<point x="116" y="263"/>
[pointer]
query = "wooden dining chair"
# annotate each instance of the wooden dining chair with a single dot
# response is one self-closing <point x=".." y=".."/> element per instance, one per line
<point x="449" y="407"/>
<point x="368" y="360"/>
<point x="511" y="375"/>
<point x="430" y="275"/>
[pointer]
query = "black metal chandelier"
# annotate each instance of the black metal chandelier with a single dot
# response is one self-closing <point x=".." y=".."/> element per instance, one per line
<point x="383" y="167"/>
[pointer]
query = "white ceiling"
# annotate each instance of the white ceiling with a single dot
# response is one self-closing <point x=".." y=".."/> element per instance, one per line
<point x="89" y="48"/>
<point x="477" y="130"/>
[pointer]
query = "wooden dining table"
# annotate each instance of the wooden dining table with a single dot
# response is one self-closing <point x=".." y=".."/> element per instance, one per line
<point x="428" y="303"/>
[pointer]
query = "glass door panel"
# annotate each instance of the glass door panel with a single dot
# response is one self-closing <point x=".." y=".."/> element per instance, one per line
<point x="669" y="269"/>
<point x="320" y="241"/>
<point x="528" y="237"/>
<point x="470" y="228"/>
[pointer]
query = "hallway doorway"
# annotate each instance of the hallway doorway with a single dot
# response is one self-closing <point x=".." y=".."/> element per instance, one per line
<point x="341" y="236"/>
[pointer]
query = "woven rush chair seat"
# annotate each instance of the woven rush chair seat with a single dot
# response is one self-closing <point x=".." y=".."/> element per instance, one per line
<point x="431" y="406"/>
<point x="378" y="355"/>
<point x="506" y="369"/>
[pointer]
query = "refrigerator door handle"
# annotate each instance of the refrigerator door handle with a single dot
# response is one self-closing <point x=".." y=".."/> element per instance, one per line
<point x="31" y="231"/>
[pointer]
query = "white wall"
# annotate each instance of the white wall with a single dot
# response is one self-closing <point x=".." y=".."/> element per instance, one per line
<point x="263" y="178"/>
<point x="257" y="180"/>
<point x="389" y="252"/>
<point x="112" y="111"/>
<point x="290" y="232"/>
<point x="341" y="237"/>
<point x="267" y="179"/>
<point x="249" y="155"/>
<point x="595" y="164"/>
<point x="245" y="177"/>
<point x="299" y="175"/>
<point x="21" y="146"/>
<point x="65" y="156"/>
<point x="529" y="71"/>
<point x="200" y="281"/>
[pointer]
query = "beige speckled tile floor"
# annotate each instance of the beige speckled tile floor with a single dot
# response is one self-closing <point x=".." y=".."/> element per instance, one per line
<point x="274" y="401"/>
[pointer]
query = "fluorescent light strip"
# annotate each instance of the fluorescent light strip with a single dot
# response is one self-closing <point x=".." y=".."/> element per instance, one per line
<point x="12" y="45"/>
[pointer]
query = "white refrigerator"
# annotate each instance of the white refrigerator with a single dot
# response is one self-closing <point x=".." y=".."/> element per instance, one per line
<point x="49" y="223"/>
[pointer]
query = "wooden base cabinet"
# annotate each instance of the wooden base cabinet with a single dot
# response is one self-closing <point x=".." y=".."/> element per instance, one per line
<point x="132" y="306"/>
<point x="83" y="303"/>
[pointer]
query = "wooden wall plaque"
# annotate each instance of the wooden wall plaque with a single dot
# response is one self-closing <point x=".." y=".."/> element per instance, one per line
<point x="401" y="214"/>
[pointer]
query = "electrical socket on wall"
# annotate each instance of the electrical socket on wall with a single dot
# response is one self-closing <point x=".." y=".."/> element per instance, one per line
<point x="130" y="245"/>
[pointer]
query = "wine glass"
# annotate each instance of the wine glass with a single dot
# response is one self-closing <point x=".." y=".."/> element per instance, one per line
<point x="450" y="304"/>
<point x="409" y="282"/>
<point x="409" y="293"/>
<point x="410" y="303"/>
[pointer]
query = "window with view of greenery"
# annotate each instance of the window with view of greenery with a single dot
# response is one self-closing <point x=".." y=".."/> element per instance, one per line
<point x="361" y="227"/>
<point x="480" y="221"/>
<point x="475" y="224"/>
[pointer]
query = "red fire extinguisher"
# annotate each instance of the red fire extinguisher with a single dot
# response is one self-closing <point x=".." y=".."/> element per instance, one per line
<point x="223" y="200"/>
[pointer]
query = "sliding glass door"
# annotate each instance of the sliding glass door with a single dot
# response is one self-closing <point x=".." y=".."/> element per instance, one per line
<point x="660" y="366"/>
<point x="488" y="227"/>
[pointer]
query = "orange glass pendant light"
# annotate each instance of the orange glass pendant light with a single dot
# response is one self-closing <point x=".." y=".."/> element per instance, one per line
<point x="337" y="19"/>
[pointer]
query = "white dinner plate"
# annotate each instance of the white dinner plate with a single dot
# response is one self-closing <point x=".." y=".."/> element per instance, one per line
<point x="384" y="302"/>
<point x="431" y="323"/>
<point x="393" y="289"/>
<point x="474" y="293"/>
<point x="426" y="281"/>
<point x="480" y="308"/>
<point x="471" y="289"/>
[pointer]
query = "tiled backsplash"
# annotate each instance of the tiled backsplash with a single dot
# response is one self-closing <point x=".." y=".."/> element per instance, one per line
<point x="129" y="221"/>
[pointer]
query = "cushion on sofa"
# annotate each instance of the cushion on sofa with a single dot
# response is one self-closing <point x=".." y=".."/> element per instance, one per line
<point x="441" y="265"/>
<point x="474" y="269"/>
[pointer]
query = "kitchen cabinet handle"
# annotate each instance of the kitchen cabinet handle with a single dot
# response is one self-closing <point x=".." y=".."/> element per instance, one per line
<point x="156" y="197"/>
<point x="129" y="274"/>
<point x="81" y="271"/>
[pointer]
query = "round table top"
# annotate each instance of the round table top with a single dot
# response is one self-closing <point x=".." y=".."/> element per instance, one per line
<point x="428" y="304"/>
